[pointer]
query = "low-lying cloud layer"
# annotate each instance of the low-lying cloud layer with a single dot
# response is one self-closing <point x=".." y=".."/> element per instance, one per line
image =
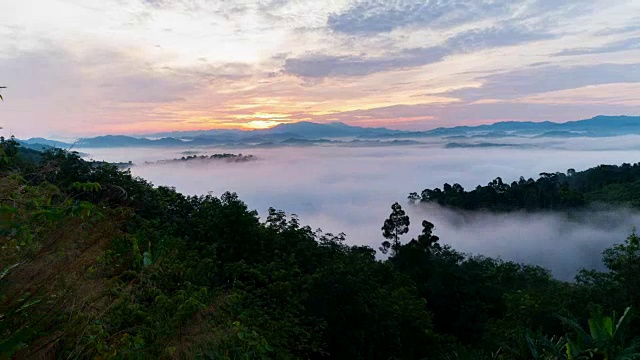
<point x="351" y="189"/>
<point x="561" y="242"/>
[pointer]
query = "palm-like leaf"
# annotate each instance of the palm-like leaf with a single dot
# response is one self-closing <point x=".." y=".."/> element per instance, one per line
<point x="603" y="339"/>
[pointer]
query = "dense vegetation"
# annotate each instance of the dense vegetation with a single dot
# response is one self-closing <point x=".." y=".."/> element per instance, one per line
<point x="96" y="263"/>
<point x="232" y="158"/>
<point x="604" y="184"/>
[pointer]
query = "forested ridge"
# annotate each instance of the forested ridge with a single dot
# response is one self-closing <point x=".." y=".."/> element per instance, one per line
<point x="604" y="184"/>
<point x="97" y="263"/>
<point x="226" y="157"/>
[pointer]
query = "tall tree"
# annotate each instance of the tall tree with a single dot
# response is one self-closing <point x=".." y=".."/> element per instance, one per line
<point x="396" y="225"/>
<point x="427" y="240"/>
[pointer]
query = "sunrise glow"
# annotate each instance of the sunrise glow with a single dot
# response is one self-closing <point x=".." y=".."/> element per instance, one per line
<point x="261" y="124"/>
<point x="149" y="65"/>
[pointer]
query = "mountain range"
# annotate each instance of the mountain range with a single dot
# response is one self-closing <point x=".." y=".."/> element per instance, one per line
<point x="308" y="133"/>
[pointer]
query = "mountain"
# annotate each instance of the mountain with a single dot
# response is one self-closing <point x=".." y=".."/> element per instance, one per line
<point x="598" y="126"/>
<point x="309" y="133"/>
<point x="126" y="141"/>
<point x="456" y="145"/>
<point x="302" y="129"/>
<point x="308" y="129"/>
<point x="40" y="144"/>
<point x="46" y="142"/>
<point x="286" y="134"/>
<point x="198" y="133"/>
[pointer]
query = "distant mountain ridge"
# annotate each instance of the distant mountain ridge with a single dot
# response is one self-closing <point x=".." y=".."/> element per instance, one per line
<point x="333" y="129"/>
<point x="311" y="133"/>
<point x="598" y="126"/>
<point x="299" y="129"/>
<point x="40" y="144"/>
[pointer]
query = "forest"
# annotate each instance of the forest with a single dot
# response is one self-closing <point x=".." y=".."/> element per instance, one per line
<point x="599" y="186"/>
<point x="97" y="263"/>
<point x="226" y="157"/>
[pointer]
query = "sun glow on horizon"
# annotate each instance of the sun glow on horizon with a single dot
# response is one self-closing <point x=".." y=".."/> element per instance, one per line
<point x="261" y="124"/>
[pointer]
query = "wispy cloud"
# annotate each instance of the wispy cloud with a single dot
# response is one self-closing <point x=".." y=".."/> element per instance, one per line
<point x="114" y="66"/>
<point x="375" y="16"/>
<point x="319" y="65"/>
<point x="339" y="66"/>
<point x="528" y="81"/>
<point x="616" y="46"/>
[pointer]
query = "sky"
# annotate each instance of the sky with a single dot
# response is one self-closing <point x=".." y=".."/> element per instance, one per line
<point x="79" y="67"/>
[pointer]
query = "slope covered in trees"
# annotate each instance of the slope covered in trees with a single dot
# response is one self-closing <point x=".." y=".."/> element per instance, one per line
<point x="228" y="158"/>
<point x="96" y="263"/>
<point x="604" y="184"/>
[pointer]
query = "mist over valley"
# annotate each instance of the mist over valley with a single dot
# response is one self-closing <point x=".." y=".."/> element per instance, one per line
<point x="350" y="190"/>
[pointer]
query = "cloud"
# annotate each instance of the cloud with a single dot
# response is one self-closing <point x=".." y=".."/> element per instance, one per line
<point x="376" y="16"/>
<point x="617" y="46"/>
<point x="368" y="17"/>
<point x="561" y="242"/>
<point x="631" y="26"/>
<point x="618" y="93"/>
<point x="157" y="3"/>
<point x="429" y="116"/>
<point x="351" y="190"/>
<point x="497" y="36"/>
<point x="529" y="81"/>
<point x="336" y="66"/>
<point x="183" y="5"/>
<point x="322" y="66"/>
<point x="318" y="65"/>
<point x="39" y="73"/>
<point x="59" y="88"/>
<point x="115" y="67"/>
<point x="147" y="88"/>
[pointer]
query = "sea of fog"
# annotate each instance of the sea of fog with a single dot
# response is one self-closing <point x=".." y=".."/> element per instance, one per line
<point x="350" y="190"/>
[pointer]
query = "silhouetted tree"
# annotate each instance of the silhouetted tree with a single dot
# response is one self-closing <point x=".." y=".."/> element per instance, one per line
<point x="396" y="225"/>
<point x="427" y="239"/>
<point x="413" y="197"/>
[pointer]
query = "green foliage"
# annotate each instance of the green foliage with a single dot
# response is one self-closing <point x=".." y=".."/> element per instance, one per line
<point x="96" y="263"/>
<point x="607" y="184"/>
<point x="230" y="158"/>
<point x="8" y="152"/>
<point x="606" y="338"/>
<point x="87" y="186"/>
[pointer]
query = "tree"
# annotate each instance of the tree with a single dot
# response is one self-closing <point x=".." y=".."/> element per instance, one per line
<point x="623" y="262"/>
<point x="427" y="239"/>
<point x="396" y="225"/>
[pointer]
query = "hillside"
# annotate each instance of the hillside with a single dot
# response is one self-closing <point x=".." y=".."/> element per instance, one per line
<point x="602" y="185"/>
<point x="99" y="264"/>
